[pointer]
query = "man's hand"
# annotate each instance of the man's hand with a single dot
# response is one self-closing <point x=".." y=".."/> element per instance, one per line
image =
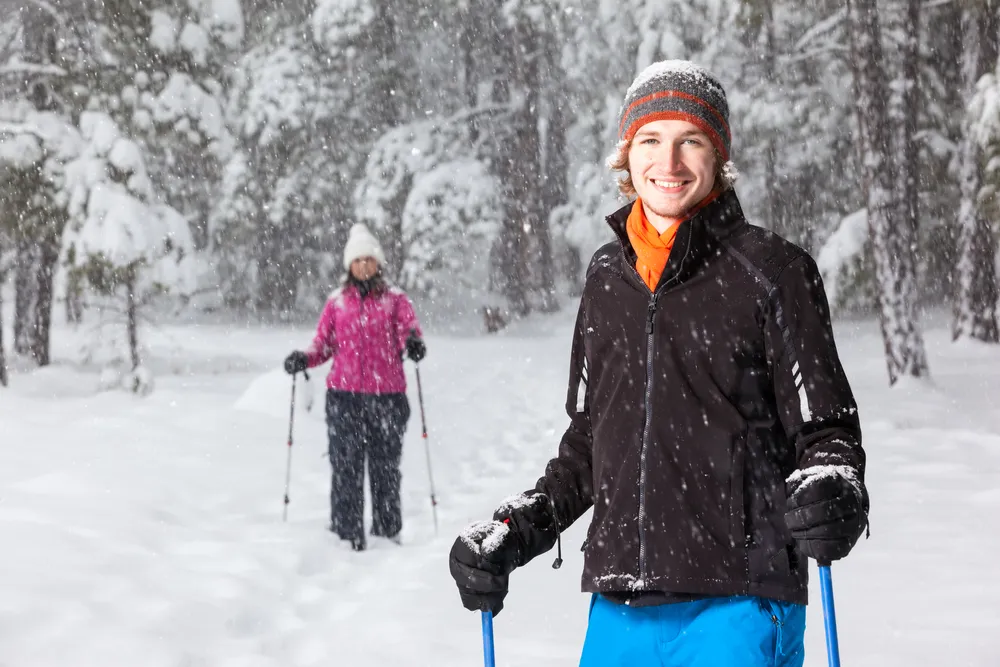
<point x="481" y="560"/>
<point x="827" y="511"/>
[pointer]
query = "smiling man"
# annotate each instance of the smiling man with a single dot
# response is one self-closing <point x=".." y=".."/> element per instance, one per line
<point x="712" y="428"/>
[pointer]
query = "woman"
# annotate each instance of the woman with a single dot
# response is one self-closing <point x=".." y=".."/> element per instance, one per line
<point x="366" y="327"/>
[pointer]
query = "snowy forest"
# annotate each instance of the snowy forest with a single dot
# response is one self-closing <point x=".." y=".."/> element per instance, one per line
<point x="180" y="158"/>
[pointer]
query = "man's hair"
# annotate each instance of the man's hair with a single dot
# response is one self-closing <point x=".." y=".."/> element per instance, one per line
<point x="725" y="176"/>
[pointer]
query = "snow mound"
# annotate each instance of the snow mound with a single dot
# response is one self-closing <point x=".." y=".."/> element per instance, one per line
<point x="271" y="394"/>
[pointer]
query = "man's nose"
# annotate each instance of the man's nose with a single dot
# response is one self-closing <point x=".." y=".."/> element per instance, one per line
<point x="670" y="155"/>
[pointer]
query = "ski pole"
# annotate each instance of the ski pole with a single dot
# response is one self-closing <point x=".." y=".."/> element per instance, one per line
<point x="427" y="449"/>
<point x="488" y="654"/>
<point x="829" y="615"/>
<point x="288" y="464"/>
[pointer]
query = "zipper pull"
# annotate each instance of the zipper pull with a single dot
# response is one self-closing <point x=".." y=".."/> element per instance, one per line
<point x="650" y="314"/>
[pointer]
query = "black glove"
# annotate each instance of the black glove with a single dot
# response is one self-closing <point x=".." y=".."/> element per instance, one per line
<point x="481" y="560"/>
<point x="415" y="348"/>
<point x="485" y="554"/>
<point x="827" y="512"/>
<point x="296" y="362"/>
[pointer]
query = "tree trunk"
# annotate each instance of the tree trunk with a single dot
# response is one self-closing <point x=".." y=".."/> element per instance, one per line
<point x="893" y="243"/>
<point x="509" y="258"/>
<point x="976" y="298"/>
<point x="775" y="212"/>
<point x="277" y="274"/>
<point x="33" y="283"/>
<point x="42" y="317"/>
<point x="41" y="227"/>
<point x="387" y="93"/>
<point x="555" y="172"/>
<point x="3" y="352"/>
<point x="910" y="99"/>
<point x="131" y="321"/>
<point x="531" y="194"/>
<point x="907" y="166"/>
<point x="26" y="266"/>
<point x="470" y="84"/>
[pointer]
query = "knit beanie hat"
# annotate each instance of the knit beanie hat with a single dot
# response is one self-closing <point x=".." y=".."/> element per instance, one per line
<point x="677" y="90"/>
<point x="361" y="243"/>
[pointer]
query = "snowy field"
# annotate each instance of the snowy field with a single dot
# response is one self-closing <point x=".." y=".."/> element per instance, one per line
<point x="148" y="531"/>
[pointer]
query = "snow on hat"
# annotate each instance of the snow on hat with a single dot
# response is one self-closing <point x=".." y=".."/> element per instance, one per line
<point x="361" y="243"/>
<point x="677" y="90"/>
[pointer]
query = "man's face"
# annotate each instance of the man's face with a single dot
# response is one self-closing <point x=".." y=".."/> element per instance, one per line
<point x="364" y="268"/>
<point x="672" y="164"/>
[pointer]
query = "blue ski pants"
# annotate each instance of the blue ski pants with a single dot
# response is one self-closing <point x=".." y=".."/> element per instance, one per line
<point x="714" y="632"/>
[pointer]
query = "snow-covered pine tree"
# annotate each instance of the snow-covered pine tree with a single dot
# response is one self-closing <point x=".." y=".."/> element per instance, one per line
<point x="256" y="225"/>
<point x="299" y="128"/>
<point x="171" y="99"/>
<point x="451" y="218"/>
<point x="129" y="246"/>
<point x="36" y="65"/>
<point x="790" y="112"/>
<point x="976" y="295"/>
<point x="431" y="166"/>
<point x="893" y="243"/>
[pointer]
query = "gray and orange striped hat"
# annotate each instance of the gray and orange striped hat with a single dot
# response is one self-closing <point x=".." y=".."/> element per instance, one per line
<point x="677" y="90"/>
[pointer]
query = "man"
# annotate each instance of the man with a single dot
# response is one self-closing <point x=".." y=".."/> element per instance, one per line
<point x="712" y="428"/>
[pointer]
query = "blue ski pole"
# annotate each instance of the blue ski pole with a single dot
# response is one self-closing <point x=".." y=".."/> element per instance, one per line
<point x="488" y="655"/>
<point x="829" y="615"/>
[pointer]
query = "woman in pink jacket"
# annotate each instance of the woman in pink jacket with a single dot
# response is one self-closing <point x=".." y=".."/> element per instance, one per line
<point x="366" y="326"/>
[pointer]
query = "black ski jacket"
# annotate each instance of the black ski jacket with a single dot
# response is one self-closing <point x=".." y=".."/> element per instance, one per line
<point x="691" y="405"/>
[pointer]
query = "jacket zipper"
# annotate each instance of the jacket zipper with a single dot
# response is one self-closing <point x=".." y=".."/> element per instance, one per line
<point x="362" y="324"/>
<point x="650" y="316"/>
<point x="647" y="402"/>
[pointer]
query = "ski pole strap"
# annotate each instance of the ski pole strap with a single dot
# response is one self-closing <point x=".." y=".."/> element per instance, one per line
<point x="829" y="615"/>
<point x="489" y="657"/>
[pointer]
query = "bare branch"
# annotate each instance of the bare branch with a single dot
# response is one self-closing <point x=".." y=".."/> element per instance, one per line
<point x="21" y="67"/>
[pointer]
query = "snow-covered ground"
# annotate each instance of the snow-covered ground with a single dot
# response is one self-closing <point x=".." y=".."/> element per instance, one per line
<point x="148" y="531"/>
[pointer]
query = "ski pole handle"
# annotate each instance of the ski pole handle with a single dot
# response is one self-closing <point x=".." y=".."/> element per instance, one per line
<point x="489" y="657"/>
<point x="829" y="615"/>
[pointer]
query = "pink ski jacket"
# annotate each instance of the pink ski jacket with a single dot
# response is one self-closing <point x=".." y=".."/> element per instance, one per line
<point x="366" y="338"/>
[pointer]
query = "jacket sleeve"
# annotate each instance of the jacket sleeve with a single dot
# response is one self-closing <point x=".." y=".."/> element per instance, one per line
<point x="568" y="479"/>
<point x="406" y="320"/>
<point x="811" y="391"/>
<point x="324" y="343"/>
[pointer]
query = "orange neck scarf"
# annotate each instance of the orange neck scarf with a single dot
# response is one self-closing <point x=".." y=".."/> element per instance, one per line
<point x="652" y="248"/>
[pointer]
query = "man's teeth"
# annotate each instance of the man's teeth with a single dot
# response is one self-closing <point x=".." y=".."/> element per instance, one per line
<point x="668" y="184"/>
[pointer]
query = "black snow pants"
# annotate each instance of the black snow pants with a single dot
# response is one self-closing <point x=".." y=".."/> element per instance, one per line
<point x="365" y="426"/>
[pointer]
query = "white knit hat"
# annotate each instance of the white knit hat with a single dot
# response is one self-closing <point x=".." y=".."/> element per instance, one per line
<point x="361" y="243"/>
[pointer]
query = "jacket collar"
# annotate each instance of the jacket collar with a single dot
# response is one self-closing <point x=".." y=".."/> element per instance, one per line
<point x="696" y="236"/>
